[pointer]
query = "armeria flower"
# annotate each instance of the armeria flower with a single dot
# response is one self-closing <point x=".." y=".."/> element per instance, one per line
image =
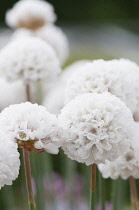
<point x="50" y="34"/>
<point x="29" y="59"/>
<point x="55" y="97"/>
<point x="125" y="166"/>
<point x="31" y="126"/>
<point x="9" y="160"/>
<point x="95" y="127"/>
<point x="119" y="77"/>
<point x="31" y="14"/>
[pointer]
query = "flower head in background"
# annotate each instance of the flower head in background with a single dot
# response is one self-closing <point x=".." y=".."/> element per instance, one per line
<point x="96" y="127"/>
<point x="9" y="160"/>
<point x="119" y="77"/>
<point x="29" y="59"/>
<point x="124" y="166"/>
<point x="31" y="126"/>
<point x="30" y="14"/>
<point x="52" y="35"/>
<point x="55" y="97"/>
<point x="11" y="93"/>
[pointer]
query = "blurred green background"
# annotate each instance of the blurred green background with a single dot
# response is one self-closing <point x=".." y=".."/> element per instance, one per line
<point x="87" y="10"/>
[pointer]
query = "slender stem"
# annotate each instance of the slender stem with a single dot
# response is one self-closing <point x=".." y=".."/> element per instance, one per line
<point x="101" y="192"/>
<point x="133" y="194"/>
<point x="28" y="92"/>
<point x="26" y="156"/>
<point x="92" y="186"/>
<point x="27" y="167"/>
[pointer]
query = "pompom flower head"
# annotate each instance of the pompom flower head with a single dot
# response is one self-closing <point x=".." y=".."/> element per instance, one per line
<point x="119" y="77"/>
<point x="9" y="160"/>
<point x="31" y="14"/>
<point x="124" y="166"/>
<point x="95" y="127"/>
<point x="29" y="59"/>
<point x="31" y="126"/>
<point x="52" y="35"/>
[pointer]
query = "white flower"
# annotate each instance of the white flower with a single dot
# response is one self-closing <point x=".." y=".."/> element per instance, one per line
<point x="9" y="160"/>
<point x="125" y="166"/>
<point x="29" y="59"/>
<point x="52" y="35"/>
<point x="55" y="97"/>
<point x="32" y="127"/>
<point x="95" y="127"/>
<point x="119" y="77"/>
<point x="31" y="14"/>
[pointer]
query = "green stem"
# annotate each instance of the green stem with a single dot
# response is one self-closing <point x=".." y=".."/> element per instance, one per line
<point x="101" y="192"/>
<point x="92" y="186"/>
<point x="31" y="202"/>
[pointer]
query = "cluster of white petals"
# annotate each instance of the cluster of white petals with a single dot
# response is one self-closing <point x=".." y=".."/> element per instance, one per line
<point x="31" y="14"/>
<point x="29" y="59"/>
<point x="95" y="127"/>
<point x="119" y="77"/>
<point x="52" y="35"/>
<point x="124" y="166"/>
<point x="9" y="160"/>
<point x="31" y="123"/>
<point x="55" y="97"/>
<point x="135" y="143"/>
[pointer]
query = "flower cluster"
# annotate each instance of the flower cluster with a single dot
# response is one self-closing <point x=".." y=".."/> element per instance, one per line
<point x="52" y="35"/>
<point x="29" y="59"/>
<point x="96" y="127"/>
<point x="124" y="166"/>
<point x="9" y="160"/>
<point x="119" y="77"/>
<point x="31" y="14"/>
<point x="31" y="126"/>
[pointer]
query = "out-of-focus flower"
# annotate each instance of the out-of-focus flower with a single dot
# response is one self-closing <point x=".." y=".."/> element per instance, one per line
<point x="55" y="97"/>
<point x="9" y="160"/>
<point x="11" y="93"/>
<point x="119" y="77"/>
<point x="124" y="166"/>
<point x="32" y="127"/>
<point x="135" y="142"/>
<point x="29" y="59"/>
<point x="31" y="14"/>
<point x="95" y="127"/>
<point x="52" y="35"/>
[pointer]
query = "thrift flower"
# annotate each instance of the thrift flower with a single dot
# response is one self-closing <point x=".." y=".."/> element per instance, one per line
<point x="31" y="14"/>
<point x="95" y="127"/>
<point x="29" y="59"/>
<point x="9" y="160"/>
<point x="119" y="77"/>
<point x="32" y="127"/>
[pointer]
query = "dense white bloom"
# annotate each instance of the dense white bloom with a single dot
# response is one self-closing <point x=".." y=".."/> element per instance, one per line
<point x="31" y="14"/>
<point x="29" y="59"/>
<point x="96" y="127"/>
<point x="125" y="166"/>
<point x="52" y="35"/>
<point x="119" y="77"/>
<point x="32" y="127"/>
<point x="9" y="160"/>
<point x="55" y="97"/>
